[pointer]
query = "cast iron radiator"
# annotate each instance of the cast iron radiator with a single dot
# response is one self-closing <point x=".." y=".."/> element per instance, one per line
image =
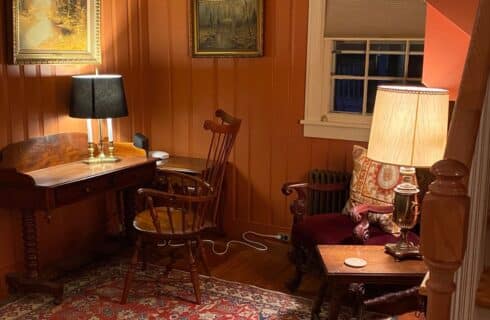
<point x="327" y="201"/>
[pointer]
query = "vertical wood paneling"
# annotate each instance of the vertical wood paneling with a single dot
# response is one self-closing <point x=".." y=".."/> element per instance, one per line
<point x="34" y="102"/>
<point x="170" y="94"/>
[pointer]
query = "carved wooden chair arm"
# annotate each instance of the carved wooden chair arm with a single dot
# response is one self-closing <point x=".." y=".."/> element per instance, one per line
<point x="298" y="206"/>
<point x="394" y="298"/>
<point x="360" y="215"/>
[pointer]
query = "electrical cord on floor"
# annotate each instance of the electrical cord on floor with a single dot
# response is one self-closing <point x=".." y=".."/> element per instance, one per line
<point x="259" y="246"/>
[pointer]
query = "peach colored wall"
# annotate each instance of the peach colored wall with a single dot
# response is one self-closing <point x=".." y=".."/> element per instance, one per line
<point x="170" y="95"/>
<point x="447" y="36"/>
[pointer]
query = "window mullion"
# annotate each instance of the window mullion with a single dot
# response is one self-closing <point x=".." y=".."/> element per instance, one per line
<point x="407" y="56"/>
<point x="332" y="79"/>
<point x="366" y="77"/>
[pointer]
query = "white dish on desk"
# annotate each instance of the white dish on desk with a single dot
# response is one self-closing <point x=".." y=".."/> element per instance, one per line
<point x="355" y="262"/>
<point x="162" y="155"/>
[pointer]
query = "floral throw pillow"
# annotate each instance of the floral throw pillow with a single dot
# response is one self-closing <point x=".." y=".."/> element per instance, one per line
<point x="373" y="183"/>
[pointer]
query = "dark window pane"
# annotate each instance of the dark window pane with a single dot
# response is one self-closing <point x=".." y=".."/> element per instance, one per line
<point x="415" y="64"/>
<point x="348" y="95"/>
<point x="416" y="47"/>
<point x="371" y="94"/>
<point x="389" y="65"/>
<point x="387" y="46"/>
<point x="350" y="45"/>
<point x="350" y="64"/>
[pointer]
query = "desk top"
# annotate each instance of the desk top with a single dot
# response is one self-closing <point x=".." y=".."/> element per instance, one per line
<point x="183" y="164"/>
<point x="379" y="263"/>
<point x="77" y="171"/>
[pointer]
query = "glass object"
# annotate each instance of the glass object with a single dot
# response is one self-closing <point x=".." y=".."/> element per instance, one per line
<point x="350" y="64"/>
<point x="416" y="46"/>
<point x="415" y="66"/>
<point x="387" y="46"/>
<point x="350" y="45"/>
<point x="348" y="95"/>
<point x="371" y="94"/>
<point x="387" y="65"/>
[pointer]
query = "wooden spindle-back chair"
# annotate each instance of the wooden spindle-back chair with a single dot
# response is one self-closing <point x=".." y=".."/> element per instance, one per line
<point x="224" y="134"/>
<point x="180" y="212"/>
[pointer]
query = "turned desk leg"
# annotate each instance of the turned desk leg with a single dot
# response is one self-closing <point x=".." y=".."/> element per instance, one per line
<point x="30" y="281"/>
<point x="29" y="235"/>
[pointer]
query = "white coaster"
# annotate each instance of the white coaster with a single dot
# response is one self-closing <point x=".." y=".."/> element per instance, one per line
<point x="355" y="262"/>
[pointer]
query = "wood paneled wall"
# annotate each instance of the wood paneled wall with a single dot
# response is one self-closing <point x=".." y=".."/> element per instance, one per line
<point x="170" y="95"/>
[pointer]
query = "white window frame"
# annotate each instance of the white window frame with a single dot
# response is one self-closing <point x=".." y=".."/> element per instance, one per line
<point x="320" y="121"/>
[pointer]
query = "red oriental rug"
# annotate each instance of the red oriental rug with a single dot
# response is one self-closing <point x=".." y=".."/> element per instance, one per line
<point x="95" y="293"/>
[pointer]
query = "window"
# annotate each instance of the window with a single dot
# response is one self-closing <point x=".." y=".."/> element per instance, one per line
<point x="354" y="46"/>
<point x="359" y="66"/>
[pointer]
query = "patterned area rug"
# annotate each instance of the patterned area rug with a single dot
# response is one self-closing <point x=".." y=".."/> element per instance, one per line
<point x="95" y="295"/>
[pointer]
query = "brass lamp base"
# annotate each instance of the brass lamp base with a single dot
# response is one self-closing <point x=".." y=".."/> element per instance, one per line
<point x="403" y="251"/>
<point x="101" y="157"/>
<point x="405" y="215"/>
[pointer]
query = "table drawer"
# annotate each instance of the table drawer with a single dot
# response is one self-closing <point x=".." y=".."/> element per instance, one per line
<point x="138" y="176"/>
<point x="74" y="192"/>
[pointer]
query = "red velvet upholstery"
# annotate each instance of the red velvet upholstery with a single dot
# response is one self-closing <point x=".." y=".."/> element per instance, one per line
<point x="336" y="228"/>
<point x="333" y="228"/>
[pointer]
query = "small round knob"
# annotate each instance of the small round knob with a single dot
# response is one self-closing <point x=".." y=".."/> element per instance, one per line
<point x="88" y="189"/>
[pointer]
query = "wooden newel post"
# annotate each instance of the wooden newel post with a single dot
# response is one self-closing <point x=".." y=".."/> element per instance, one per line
<point x="444" y="224"/>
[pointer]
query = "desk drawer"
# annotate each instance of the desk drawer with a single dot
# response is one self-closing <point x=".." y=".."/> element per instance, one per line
<point x="71" y="193"/>
<point x="138" y="176"/>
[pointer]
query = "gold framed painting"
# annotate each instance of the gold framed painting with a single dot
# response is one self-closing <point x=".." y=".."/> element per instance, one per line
<point x="55" y="32"/>
<point x="227" y="28"/>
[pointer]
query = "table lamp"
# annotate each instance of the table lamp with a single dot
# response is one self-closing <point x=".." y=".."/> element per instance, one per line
<point x="409" y="129"/>
<point x="98" y="97"/>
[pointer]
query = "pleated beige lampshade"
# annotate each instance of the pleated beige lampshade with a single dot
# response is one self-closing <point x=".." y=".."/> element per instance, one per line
<point x="409" y="126"/>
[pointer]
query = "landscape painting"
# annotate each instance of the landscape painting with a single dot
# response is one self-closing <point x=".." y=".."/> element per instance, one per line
<point x="227" y="27"/>
<point x="56" y="31"/>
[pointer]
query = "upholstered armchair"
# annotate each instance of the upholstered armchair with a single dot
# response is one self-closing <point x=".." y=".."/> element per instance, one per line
<point x="313" y="228"/>
<point x="343" y="208"/>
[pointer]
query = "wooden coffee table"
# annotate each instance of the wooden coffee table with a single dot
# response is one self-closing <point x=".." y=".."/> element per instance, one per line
<point x="381" y="268"/>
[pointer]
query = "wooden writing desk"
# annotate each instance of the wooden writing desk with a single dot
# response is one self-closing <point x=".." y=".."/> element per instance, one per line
<point x="47" y="173"/>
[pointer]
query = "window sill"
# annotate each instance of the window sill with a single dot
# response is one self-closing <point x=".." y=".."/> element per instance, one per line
<point x="357" y="128"/>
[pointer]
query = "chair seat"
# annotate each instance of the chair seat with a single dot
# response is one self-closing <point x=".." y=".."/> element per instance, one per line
<point x="144" y="222"/>
<point x="336" y="228"/>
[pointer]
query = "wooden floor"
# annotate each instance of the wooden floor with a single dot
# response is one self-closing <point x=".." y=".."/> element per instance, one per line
<point x="269" y="270"/>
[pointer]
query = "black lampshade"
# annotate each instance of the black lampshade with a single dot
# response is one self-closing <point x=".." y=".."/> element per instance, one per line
<point x="98" y="97"/>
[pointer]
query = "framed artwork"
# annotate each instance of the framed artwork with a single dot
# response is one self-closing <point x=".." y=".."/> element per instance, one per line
<point x="55" y="32"/>
<point x="227" y="28"/>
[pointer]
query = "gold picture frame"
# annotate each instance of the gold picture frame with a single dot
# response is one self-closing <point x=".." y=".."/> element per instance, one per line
<point x="227" y="28"/>
<point x="55" y="32"/>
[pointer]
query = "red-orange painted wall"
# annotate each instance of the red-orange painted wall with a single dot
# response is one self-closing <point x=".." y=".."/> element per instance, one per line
<point x="170" y="95"/>
<point x="447" y="36"/>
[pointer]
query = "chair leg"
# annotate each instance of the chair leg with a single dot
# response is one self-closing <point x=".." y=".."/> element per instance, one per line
<point x="194" y="273"/>
<point x="169" y="266"/>
<point x="293" y="284"/>
<point x="131" y="270"/>
<point x="202" y="254"/>
<point x="144" y="255"/>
